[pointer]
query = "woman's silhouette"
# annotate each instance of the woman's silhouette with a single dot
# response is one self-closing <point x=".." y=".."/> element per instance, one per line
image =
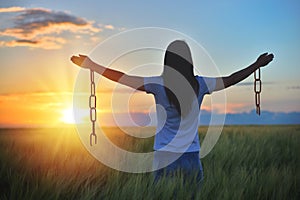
<point x="178" y="94"/>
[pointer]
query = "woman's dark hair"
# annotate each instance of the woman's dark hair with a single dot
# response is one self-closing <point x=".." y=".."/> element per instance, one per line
<point x="178" y="61"/>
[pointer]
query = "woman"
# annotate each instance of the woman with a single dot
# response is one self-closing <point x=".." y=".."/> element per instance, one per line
<point x="178" y="95"/>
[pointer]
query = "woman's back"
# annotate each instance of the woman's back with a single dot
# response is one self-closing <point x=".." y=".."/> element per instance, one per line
<point x="176" y="133"/>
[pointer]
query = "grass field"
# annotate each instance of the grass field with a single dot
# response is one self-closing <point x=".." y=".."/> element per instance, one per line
<point x="248" y="162"/>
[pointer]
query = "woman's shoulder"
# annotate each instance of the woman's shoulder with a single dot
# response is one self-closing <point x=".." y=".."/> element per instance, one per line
<point x="153" y="84"/>
<point x="153" y="79"/>
<point x="198" y="78"/>
<point x="207" y="84"/>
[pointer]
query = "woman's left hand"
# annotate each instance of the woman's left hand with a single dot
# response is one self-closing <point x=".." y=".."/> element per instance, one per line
<point x="82" y="61"/>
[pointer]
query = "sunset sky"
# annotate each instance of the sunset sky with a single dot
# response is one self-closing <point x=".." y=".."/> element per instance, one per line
<point x="37" y="39"/>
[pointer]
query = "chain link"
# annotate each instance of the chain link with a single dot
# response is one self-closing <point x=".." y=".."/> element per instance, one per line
<point x="257" y="90"/>
<point x="93" y="112"/>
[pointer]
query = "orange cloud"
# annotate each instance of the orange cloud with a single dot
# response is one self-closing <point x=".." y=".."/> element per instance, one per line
<point x="47" y="109"/>
<point x="44" y="42"/>
<point x="109" y="26"/>
<point x="228" y="108"/>
<point x="33" y="109"/>
<point x="11" y="9"/>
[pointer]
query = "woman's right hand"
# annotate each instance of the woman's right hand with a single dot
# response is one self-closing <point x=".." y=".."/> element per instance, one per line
<point x="82" y="61"/>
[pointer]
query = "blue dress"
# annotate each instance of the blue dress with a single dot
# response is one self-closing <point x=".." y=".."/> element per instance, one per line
<point x="176" y="142"/>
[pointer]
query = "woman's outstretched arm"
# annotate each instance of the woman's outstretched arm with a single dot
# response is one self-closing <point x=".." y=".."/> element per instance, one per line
<point x="224" y="82"/>
<point x="135" y="82"/>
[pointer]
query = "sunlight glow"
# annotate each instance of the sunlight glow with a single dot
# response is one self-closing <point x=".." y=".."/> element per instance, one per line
<point x="68" y="116"/>
<point x="77" y="116"/>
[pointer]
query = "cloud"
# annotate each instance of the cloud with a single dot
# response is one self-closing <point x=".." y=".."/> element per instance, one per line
<point x="37" y="27"/>
<point x="11" y="9"/>
<point x="109" y="26"/>
<point x="251" y="83"/>
<point x="33" y="108"/>
<point x="293" y="87"/>
<point x="266" y="117"/>
<point x="43" y="42"/>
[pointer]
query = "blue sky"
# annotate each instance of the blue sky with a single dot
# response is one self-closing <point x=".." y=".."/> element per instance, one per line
<point x="234" y="33"/>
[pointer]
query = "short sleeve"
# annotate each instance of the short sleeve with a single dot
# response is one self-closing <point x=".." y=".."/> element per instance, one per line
<point x="151" y="84"/>
<point x="207" y="84"/>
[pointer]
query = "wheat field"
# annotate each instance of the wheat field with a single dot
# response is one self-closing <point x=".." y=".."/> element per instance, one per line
<point x="248" y="162"/>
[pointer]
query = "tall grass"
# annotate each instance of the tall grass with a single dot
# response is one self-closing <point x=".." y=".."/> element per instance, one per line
<point x="248" y="162"/>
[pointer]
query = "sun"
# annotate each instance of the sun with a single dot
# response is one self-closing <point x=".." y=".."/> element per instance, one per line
<point x="68" y="116"/>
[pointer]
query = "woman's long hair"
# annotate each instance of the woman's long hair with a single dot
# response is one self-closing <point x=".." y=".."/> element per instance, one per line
<point x="180" y="83"/>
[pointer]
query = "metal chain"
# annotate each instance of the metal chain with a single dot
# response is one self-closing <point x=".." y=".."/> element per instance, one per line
<point x="93" y="112"/>
<point x="257" y="90"/>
